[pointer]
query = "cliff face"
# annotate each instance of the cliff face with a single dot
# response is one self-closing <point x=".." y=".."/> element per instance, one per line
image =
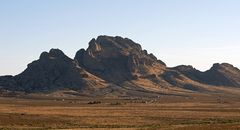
<point x="113" y="64"/>
<point x="116" y="59"/>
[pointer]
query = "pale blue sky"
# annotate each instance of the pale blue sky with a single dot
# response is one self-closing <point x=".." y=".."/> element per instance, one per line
<point x="195" y="32"/>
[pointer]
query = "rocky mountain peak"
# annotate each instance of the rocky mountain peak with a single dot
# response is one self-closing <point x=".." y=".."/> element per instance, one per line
<point x="56" y="53"/>
<point x="54" y="70"/>
<point x="222" y="66"/>
<point x="184" y="68"/>
<point x="118" y="42"/>
<point x="107" y="46"/>
<point x="114" y="47"/>
<point x="53" y="54"/>
<point x="216" y="66"/>
<point x="116" y="58"/>
<point x="223" y="74"/>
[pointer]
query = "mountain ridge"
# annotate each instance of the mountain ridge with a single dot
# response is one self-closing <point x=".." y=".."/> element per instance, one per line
<point x="116" y="65"/>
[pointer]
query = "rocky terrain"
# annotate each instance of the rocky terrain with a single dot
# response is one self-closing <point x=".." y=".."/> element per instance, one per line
<point x="118" y="66"/>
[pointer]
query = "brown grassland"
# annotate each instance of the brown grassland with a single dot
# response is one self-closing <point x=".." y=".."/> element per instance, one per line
<point x="166" y="113"/>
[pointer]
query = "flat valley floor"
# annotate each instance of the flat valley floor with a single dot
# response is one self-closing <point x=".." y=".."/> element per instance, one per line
<point x="119" y="114"/>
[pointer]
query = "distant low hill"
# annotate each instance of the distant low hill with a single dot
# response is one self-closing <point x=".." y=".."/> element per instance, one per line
<point x="118" y="66"/>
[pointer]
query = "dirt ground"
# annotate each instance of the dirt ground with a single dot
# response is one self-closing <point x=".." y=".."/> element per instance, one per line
<point x="118" y="114"/>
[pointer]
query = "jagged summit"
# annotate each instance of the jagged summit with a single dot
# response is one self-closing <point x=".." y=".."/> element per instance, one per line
<point x="53" y="53"/>
<point x="185" y="68"/>
<point x="116" y="45"/>
<point x="116" y="59"/>
<point x="218" y="66"/>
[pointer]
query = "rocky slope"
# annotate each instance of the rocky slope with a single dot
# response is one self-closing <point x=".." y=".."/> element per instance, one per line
<point x="117" y="66"/>
<point x="54" y="70"/>
<point x="116" y="59"/>
<point x="220" y="74"/>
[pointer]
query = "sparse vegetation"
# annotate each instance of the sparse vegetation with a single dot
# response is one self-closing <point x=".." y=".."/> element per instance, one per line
<point x="117" y="114"/>
<point x="116" y="103"/>
<point x="94" y="102"/>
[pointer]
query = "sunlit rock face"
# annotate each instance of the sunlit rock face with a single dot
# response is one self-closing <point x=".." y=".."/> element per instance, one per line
<point x="116" y="59"/>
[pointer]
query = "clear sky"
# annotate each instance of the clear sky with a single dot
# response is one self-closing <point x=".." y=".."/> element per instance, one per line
<point x="191" y="32"/>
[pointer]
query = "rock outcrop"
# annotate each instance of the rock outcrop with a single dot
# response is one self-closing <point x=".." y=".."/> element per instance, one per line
<point x="220" y="75"/>
<point x="116" y="59"/>
<point x="54" y="70"/>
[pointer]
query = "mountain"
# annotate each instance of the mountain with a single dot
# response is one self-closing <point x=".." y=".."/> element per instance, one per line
<point x="52" y="71"/>
<point x="116" y="59"/>
<point x="118" y="66"/>
<point x="220" y="74"/>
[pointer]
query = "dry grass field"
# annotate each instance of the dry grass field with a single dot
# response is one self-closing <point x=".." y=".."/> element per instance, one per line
<point x="118" y="114"/>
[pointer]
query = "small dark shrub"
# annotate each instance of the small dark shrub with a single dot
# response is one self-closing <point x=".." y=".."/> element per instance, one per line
<point x="94" y="102"/>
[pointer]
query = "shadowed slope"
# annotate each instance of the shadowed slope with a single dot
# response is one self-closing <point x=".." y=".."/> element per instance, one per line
<point x="220" y="75"/>
<point x="54" y="70"/>
<point x="117" y="59"/>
